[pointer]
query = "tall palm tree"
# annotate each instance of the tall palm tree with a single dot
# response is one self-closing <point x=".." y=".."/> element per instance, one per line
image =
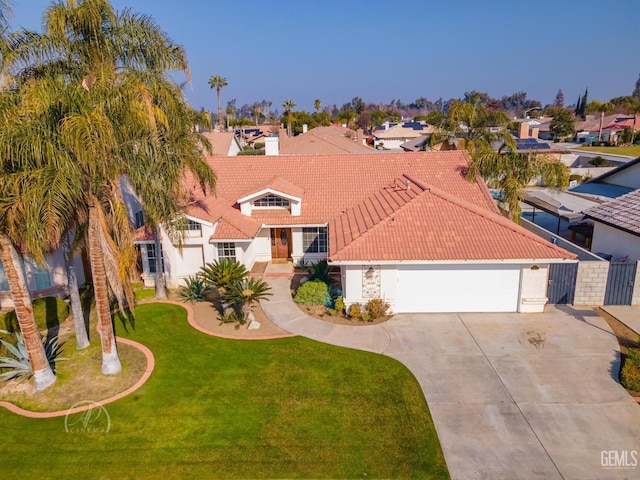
<point x="121" y="116"/>
<point x="602" y="108"/>
<point x="317" y="104"/>
<point x="217" y="81"/>
<point x="288" y="105"/>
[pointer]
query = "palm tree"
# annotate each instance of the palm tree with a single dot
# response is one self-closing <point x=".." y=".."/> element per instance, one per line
<point x="288" y="105"/>
<point x="512" y="171"/>
<point x="105" y="75"/>
<point x="245" y="293"/>
<point x="217" y="81"/>
<point x="317" y="104"/>
<point x="602" y="108"/>
<point x="469" y="125"/>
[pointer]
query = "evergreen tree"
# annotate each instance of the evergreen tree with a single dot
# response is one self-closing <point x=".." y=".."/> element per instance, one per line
<point x="636" y="90"/>
<point x="559" y="99"/>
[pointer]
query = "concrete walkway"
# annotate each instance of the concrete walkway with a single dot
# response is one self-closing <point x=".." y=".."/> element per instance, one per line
<point x="628" y="315"/>
<point x="512" y="396"/>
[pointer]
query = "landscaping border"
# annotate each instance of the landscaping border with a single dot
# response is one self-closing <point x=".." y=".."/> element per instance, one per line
<point x="145" y="376"/>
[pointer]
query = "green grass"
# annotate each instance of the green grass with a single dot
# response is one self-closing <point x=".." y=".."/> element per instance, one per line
<point x="216" y="408"/>
<point x="631" y="151"/>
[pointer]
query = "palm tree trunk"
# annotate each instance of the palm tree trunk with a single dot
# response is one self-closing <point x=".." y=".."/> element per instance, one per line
<point x="600" y="132"/>
<point x="42" y="373"/>
<point x="633" y="129"/>
<point x="110" y="360"/>
<point x="219" y="109"/>
<point x="160" y="283"/>
<point x="82" y="338"/>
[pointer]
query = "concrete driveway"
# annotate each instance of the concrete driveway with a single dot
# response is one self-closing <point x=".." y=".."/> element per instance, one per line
<point x="512" y="396"/>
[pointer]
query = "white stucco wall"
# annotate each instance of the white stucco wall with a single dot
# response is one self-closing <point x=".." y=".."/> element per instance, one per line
<point x="533" y="288"/>
<point x="629" y="177"/>
<point x="352" y="279"/>
<point x="262" y="246"/>
<point x="614" y="242"/>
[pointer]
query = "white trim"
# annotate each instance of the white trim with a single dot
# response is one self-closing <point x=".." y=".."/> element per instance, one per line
<point x="522" y="261"/>
<point x="297" y="225"/>
<point x="262" y="193"/>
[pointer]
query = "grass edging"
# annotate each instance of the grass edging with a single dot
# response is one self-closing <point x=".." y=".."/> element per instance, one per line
<point x="145" y="376"/>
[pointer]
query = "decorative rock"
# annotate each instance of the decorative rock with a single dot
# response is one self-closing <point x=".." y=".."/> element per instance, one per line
<point x="254" y="325"/>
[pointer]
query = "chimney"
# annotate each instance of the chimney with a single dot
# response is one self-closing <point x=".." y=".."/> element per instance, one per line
<point x="271" y="146"/>
<point x="304" y="128"/>
<point x="386" y="125"/>
<point x="524" y="130"/>
<point x="282" y="137"/>
<point x="535" y="131"/>
<point x="360" y="133"/>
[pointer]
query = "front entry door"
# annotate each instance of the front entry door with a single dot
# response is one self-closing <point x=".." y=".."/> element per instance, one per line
<point x="280" y="242"/>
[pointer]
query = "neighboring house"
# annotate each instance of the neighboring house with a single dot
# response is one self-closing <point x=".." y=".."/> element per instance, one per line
<point x="46" y="281"/>
<point x="408" y="228"/>
<point x="418" y="144"/>
<point x="223" y="144"/>
<point x="616" y="227"/>
<point x="324" y="141"/>
<point x="391" y="136"/>
<point x="614" y="183"/>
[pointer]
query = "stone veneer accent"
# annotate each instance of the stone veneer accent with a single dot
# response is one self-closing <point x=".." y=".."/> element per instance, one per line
<point x="591" y="283"/>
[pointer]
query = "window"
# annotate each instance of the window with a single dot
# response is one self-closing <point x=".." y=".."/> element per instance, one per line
<point x="139" y="220"/>
<point x="190" y="225"/>
<point x="271" y="201"/>
<point x="41" y="276"/>
<point x="227" y="250"/>
<point x="4" y="283"/>
<point x="151" y="256"/>
<point x="314" y="239"/>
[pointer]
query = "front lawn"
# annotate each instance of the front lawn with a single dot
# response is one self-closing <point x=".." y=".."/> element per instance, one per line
<point x="630" y="151"/>
<point x="216" y="408"/>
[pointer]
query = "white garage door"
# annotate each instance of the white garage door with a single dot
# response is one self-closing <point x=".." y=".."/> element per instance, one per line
<point x="190" y="260"/>
<point x="476" y="288"/>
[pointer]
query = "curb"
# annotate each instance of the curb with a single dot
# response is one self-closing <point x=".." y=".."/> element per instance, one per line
<point x="145" y="376"/>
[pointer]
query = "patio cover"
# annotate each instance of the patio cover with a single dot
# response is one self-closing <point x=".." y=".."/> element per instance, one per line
<point x="561" y="204"/>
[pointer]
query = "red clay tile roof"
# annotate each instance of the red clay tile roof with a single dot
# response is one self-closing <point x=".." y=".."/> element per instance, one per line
<point x="456" y="219"/>
<point x="622" y="213"/>
<point x="279" y="184"/>
<point x="422" y="223"/>
<point x="220" y="142"/>
<point x="323" y="141"/>
<point x="143" y="233"/>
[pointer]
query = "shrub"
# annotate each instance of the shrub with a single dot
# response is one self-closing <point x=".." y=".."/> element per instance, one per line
<point x="376" y="308"/>
<point x="339" y="305"/>
<point x="355" y="311"/>
<point x="576" y="177"/>
<point x="223" y="273"/>
<point x="195" y="290"/>
<point x="320" y="271"/>
<point x="17" y="365"/>
<point x="48" y="312"/>
<point x="313" y="292"/>
<point x="251" y="152"/>
<point x="630" y="373"/>
<point x="258" y="145"/>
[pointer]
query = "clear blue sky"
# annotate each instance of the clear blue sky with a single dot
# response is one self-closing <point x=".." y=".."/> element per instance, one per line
<point x="335" y="50"/>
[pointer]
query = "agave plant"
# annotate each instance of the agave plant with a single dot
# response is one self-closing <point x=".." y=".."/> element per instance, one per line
<point x="245" y="293"/>
<point x="19" y="365"/>
<point x="320" y="271"/>
<point x="223" y="274"/>
<point x="195" y="289"/>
